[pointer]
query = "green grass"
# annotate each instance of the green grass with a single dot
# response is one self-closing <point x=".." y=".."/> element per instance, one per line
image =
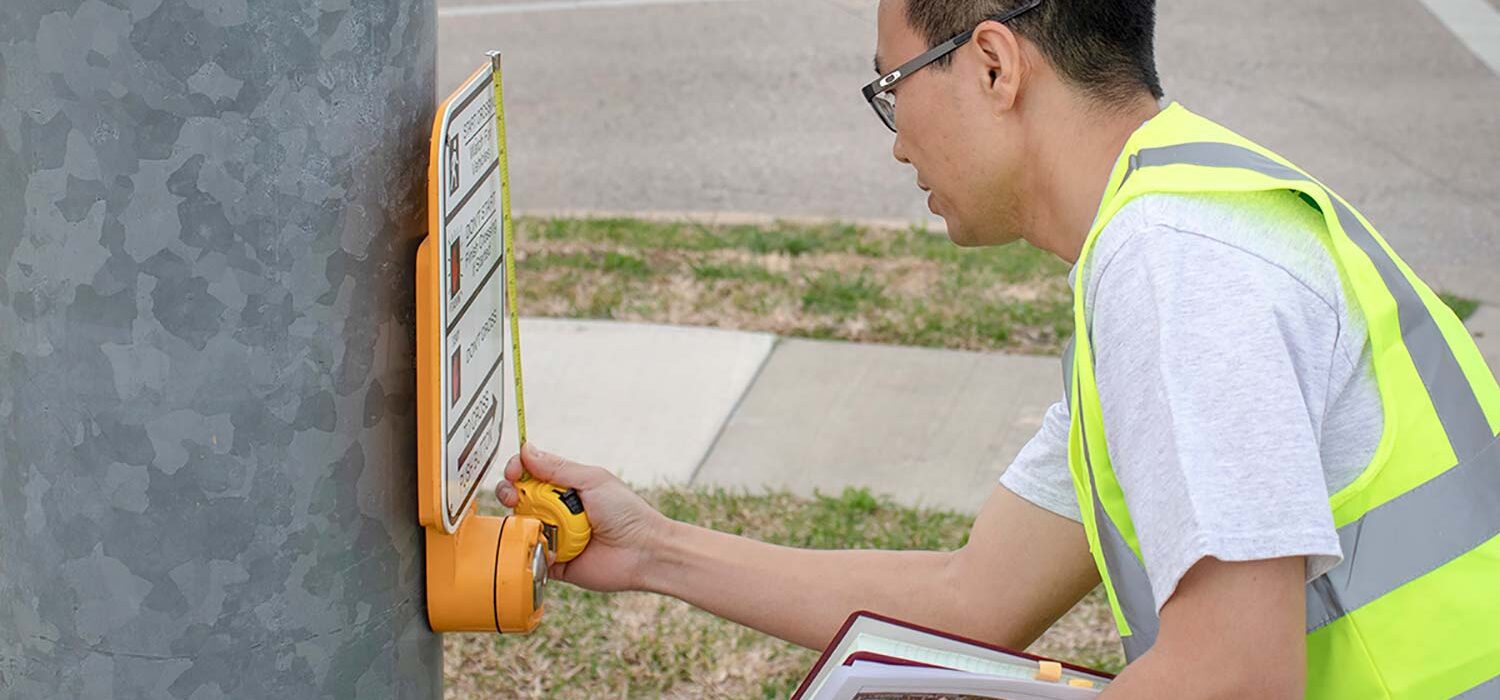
<point x="625" y="264"/>
<point x="837" y="281"/>
<point x="734" y="271"/>
<point x="607" y="261"/>
<point x="1018" y="263"/>
<point x="639" y="645"/>
<point x="1463" y="308"/>
<point x="831" y="293"/>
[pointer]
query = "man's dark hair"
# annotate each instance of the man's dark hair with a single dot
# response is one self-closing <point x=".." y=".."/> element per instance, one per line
<point x="1103" y="47"/>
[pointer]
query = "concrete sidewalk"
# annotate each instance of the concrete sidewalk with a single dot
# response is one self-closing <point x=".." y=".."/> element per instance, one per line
<point x="684" y="405"/>
<point x="645" y="400"/>
<point x="925" y="426"/>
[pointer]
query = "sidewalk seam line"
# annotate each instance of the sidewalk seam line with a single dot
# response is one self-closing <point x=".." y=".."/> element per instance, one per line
<point x="728" y="417"/>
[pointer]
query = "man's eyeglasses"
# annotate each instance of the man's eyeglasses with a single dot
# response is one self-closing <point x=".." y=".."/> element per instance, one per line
<point x="878" y="92"/>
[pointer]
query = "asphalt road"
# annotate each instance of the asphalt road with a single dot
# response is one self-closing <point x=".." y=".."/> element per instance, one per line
<point x="753" y="106"/>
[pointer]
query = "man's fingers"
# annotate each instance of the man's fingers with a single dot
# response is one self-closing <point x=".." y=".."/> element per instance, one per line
<point x="513" y="468"/>
<point x="506" y="493"/>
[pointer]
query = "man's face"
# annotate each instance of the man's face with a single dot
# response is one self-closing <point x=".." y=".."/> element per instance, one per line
<point x="948" y="130"/>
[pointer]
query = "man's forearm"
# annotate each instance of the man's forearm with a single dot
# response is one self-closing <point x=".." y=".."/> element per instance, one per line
<point x="800" y="595"/>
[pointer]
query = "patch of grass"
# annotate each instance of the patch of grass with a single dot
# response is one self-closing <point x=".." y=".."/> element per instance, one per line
<point x="609" y="262"/>
<point x="639" y="645"/>
<point x="602" y="302"/>
<point x="1462" y="307"/>
<point x="791" y="243"/>
<point x="574" y="260"/>
<point x="831" y="293"/>
<point x="625" y="264"/>
<point x="833" y="281"/>
<point x="735" y="271"/>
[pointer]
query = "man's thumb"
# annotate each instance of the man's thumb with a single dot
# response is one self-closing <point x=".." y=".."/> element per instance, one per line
<point x="549" y="467"/>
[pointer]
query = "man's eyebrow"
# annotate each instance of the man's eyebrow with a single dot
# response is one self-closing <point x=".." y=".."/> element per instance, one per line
<point x="877" y="65"/>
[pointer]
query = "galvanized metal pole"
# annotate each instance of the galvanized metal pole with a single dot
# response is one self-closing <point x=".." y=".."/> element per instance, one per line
<point x="208" y="219"/>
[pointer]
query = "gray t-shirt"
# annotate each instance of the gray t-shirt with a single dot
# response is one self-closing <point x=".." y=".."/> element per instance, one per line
<point x="1235" y="378"/>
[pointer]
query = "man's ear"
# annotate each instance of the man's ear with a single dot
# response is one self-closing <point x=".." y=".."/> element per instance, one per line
<point x="998" y="50"/>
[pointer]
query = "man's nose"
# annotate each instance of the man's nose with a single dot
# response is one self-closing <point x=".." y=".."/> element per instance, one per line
<point x="898" y="149"/>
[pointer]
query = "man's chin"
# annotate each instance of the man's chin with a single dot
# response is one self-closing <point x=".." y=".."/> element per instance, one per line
<point x="971" y="237"/>
<point x="962" y="242"/>
<point x="961" y="235"/>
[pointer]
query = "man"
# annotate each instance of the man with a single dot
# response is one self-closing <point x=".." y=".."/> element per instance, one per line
<point x="1260" y="395"/>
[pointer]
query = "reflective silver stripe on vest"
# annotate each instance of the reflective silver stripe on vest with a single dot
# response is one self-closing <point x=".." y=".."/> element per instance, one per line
<point x="1067" y="363"/>
<point x="1488" y="690"/>
<point x="1137" y="603"/>
<point x="1420" y="530"/>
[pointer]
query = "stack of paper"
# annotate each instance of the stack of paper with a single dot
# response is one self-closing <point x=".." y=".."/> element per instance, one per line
<point x="880" y="658"/>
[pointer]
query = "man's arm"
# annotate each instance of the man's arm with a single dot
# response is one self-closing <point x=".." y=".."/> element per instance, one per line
<point x="1022" y="568"/>
<point x="1231" y="630"/>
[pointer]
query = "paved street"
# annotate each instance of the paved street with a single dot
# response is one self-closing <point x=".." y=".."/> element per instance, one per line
<point x="753" y="106"/>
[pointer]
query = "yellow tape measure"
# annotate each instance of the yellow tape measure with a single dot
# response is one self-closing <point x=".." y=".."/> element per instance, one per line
<point x="509" y="235"/>
<point x="564" y="521"/>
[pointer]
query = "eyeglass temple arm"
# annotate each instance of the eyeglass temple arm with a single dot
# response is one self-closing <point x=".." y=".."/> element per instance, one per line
<point x="888" y="80"/>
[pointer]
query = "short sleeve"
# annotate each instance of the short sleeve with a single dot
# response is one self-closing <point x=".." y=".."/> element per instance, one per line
<point x="1039" y="472"/>
<point x="1213" y="370"/>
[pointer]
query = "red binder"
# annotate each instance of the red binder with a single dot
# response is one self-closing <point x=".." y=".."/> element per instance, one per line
<point x="882" y="658"/>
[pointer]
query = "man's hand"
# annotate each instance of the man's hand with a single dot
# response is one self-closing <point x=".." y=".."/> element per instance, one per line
<point x="625" y="528"/>
<point x="1021" y="569"/>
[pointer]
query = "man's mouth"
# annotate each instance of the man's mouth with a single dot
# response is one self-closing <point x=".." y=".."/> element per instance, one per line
<point x="931" y="197"/>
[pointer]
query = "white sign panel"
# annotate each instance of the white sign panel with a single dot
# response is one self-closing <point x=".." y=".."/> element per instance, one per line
<point x="473" y="318"/>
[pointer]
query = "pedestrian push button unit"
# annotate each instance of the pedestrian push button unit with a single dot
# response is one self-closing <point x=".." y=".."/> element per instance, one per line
<point x="485" y="573"/>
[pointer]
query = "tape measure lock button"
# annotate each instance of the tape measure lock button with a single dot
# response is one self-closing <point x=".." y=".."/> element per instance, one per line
<point x="571" y="500"/>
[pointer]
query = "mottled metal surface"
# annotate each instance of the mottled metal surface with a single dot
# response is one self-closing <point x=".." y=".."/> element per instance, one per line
<point x="208" y="221"/>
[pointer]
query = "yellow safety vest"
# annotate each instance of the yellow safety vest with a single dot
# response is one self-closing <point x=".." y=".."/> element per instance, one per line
<point x="1413" y="611"/>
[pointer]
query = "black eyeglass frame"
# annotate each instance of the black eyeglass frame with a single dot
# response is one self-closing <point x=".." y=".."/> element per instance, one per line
<point x="885" y="82"/>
